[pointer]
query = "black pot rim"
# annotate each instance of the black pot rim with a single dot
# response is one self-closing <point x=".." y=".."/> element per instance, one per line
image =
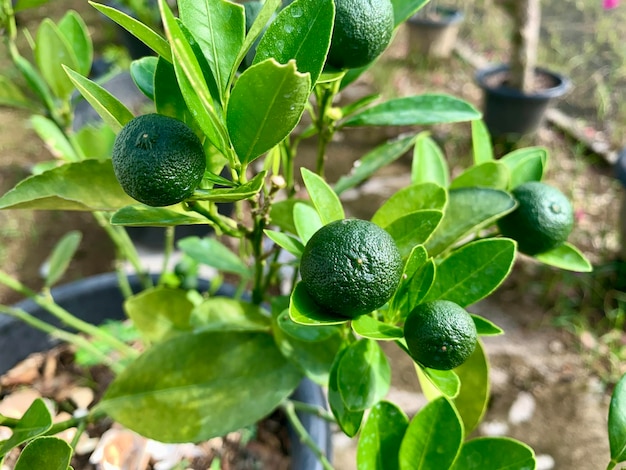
<point x="563" y="84"/>
<point x="449" y="16"/>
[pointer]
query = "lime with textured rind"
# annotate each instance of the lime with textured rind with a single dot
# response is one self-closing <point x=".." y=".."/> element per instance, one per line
<point x="440" y="334"/>
<point x="158" y="160"/>
<point x="351" y="267"/>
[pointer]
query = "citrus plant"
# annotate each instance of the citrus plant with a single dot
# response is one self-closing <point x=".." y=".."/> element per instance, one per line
<point x="409" y="276"/>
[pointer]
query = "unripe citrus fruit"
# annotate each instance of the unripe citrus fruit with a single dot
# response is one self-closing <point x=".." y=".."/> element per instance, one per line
<point x="542" y="221"/>
<point x="351" y="267"/>
<point x="362" y="31"/>
<point x="158" y="160"/>
<point x="440" y="334"/>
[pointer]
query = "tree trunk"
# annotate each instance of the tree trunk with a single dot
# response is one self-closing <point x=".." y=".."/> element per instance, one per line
<point x="526" y="16"/>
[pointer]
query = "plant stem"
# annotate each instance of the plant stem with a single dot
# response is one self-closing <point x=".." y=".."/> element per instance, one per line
<point x="612" y="464"/>
<point x="290" y="410"/>
<point x="324" y="123"/>
<point x="168" y="248"/>
<point x="314" y="410"/>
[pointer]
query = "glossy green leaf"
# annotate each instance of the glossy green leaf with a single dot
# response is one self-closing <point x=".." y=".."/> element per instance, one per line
<point x="306" y="220"/>
<point x="486" y="327"/>
<point x="54" y="138"/>
<point x="369" y="327"/>
<point x="111" y="110"/>
<point x="300" y="32"/>
<point x="526" y="164"/>
<point x="415" y="263"/>
<point x="62" y="253"/>
<point x="468" y="210"/>
<point x="35" y="82"/>
<point x="12" y="96"/>
<point x="617" y="422"/>
<point x="492" y="174"/>
<point x="34" y="422"/>
<point x="414" y="229"/>
<point x="410" y="199"/>
<point x="415" y="110"/>
<point x="348" y="421"/>
<point x="260" y="116"/>
<point x="566" y="256"/>
<point x="75" y="31"/>
<point x="481" y="142"/>
<point x="305" y="311"/>
<point x="373" y="161"/>
<point x="135" y="27"/>
<point x="435" y="383"/>
<point x="315" y="354"/>
<point x="69" y="187"/>
<point x="160" y="312"/>
<point x="433" y="438"/>
<point x="225" y="314"/>
<point x="21" y="5"/>
<point x="264" y="16"/>
<point x="287" y="242"/>
<point x="95" y="141"/>
<point x="212" y="391"/>
<point x="473" y="397"/>
<point x="363" y="375"/>
<point x="282" y="212"/>
<point x="140" y="215"/>
<point x="212" y="253"/>
<point x="495" y="453"/>
<point x="473" y="271"/>
<point x="404" y="9"/>
<point x="49" y="453"/>
<point x="324" y="199"/>
<point x="168" y="99"/>
<point x="52" y="52"/>
<point x="142" y="72"/>
<point x="234" y="194"/>
<point x="380" y="439"/>
<point x="429" y="164"/>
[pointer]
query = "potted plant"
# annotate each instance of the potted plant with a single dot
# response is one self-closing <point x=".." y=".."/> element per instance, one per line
<point x="516" y="95"/>
<point x="210" y="364"/>
<point x="433" y="30"/>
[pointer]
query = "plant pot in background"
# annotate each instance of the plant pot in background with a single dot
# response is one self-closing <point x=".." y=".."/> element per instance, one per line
<point x="508" y="111"/>
<point x="98" y="298"/>
<point x="434" y="35"/>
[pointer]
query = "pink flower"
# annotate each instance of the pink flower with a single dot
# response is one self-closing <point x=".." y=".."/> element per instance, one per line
<point x="609" y="4"/>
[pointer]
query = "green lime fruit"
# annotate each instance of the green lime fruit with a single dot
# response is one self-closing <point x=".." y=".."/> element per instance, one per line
<point x="351" y="267"/>
<point x="158" y="160"/>
<point x="542" y="220"/>
<point x="440" y="334"/>
<point x="362" y="31"/>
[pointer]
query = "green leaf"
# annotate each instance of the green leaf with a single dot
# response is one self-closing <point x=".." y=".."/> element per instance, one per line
<point x="435" y="383"/>
<point x="363" y="375"/>
<point x="348" y="421"/>
<point x="75" y="31"/>
<point x="415" y="110"/>
<point x="566" y="256"/>
<point x="429" y="164"/>
<point x="289" y="243"/>
<point x="469" y="210"/>
<point x="481" y="142"/>
<point x="473" y="271"/>
<point x="368" y="327"/>
<point x="140" y="215"/>
<point x="234" y="194"/>
<point x="95" y="141"/>
<point x="414" y="229"/>
<point x="486" y="175"/>
<point x="111" y="110"/>
<point x="260" y="116"/>
<point x="617" y="422"/>
<point x="219" y="27"/>
<point x="35" y="421"/>
<point x="416" y="260"/>
<point x="495" y="453"/>
<point x="373" y="161"/>
<point x="168" y="99"/>
<point x="225" y="314"/>
<point x="135" y="27"/>
<point x="264" y="16"/>
<point x="324" y="199"/>
<point x="21" y="5"/>
<point x="49" y="453"/>
<point x="473" y="397"/>
<point x="300" y="32"/>
<point x="224" y="381"/>
<point x="485" y="327"/>
<point x="212" y="253"/>
<point x="12" y="96"/>
<point x="282" y="212"/>
<point x="54" y="138"/>
<point x="526" y="164"/>
<point x="306" y="221"/>
<point x="315" y="354"/>
<point x="305" y="311"/>
<point x="52" y="52"/>
<point x="142" y="72"/>
<point x="35" y="82"/>
<point x="69" y="187"/>
<point x="380" y="439"/>
<point x="404" y="9"/>
<point x="413" y="198"/>
<point x="433" y="438"/>
<point x="62" y="254"/>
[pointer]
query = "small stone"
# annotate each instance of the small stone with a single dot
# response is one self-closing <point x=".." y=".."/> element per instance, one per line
<point x="522" y="409"/>
<point x="544" y="462"/>
<point x="494" y="428"/>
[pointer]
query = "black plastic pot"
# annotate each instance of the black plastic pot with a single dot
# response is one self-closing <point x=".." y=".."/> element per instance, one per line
<point x="508" y="111"/>
<point x="434" y="37"/>
<point x="98" y="298"/>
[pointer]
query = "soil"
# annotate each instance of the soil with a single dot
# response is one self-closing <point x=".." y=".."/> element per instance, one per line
<point x="541" y="82"/>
